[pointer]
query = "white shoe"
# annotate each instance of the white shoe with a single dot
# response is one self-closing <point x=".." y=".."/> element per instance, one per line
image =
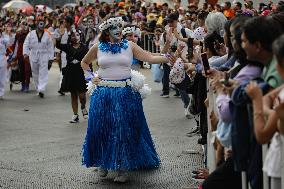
<point x="75" y="119"/>
<point x="102" y="172"/>
<point x="187" y="113"/>
<point x="85" y="113"/>
<point x="121" y="177"/>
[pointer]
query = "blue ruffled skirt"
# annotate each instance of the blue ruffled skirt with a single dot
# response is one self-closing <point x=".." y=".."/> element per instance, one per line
<point x="118" y="137"/>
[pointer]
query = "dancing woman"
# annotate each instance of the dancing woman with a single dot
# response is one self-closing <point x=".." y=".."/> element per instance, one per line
<point x="73" y="76"/>
<point x="117" y="137"/>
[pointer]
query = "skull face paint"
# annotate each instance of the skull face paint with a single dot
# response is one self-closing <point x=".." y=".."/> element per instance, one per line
<point x="90" y="23"/>
<point x="115" y="32"/>
<point x="75" y="38"/>
<point x="41" y="25"/>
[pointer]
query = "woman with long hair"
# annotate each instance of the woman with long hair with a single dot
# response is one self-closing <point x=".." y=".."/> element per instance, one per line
<point x="73" y="76"/>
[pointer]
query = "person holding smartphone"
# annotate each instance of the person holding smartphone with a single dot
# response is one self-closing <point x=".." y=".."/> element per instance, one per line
<point x="169" y="44"/>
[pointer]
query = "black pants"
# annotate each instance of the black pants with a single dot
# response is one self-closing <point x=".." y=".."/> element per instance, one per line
<point x="166" y="80"/>
<point x="199" y="94"/>
<point x="224" y="177"/>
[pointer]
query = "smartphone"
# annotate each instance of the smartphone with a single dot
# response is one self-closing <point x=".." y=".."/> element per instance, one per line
<point x="226" y="80"/>
<point x="201" y="46"/>
<point x="190" y="47"/>
<point x="205" y="63"/>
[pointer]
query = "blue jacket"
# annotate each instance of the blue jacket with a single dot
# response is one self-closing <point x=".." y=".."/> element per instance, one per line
<point x="247" y="153"/>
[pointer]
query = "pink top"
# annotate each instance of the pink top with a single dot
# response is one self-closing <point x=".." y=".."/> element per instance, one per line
<point x="115" y="66"/>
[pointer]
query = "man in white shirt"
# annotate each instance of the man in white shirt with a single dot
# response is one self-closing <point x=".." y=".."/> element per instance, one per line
<point x="169" y="44"/>
<point x="39" y="48"/>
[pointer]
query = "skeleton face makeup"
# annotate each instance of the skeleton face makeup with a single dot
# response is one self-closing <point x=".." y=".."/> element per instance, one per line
<point x="90" y="23"/>
<point x="41" y="25"/>
<point x="130" y="37"/>
<point x="75" y="38"/>
<point x="115" y="32"/>
<point x="135" y="38"/>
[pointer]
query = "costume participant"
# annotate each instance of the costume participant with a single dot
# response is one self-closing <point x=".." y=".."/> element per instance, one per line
<point x="39" y="48"/>
<point x="24" y="66"/>
<point x="117" y="137"/>
<point x="73" y="78"/>
<point x="132" y="33"/>
<point x="4" y="42"/>
<point x="67" y="27"/>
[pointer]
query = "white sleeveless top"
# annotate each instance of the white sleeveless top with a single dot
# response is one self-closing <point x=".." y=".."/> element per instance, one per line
<point x="115" y="66"/>
<point x="272" y="162"/>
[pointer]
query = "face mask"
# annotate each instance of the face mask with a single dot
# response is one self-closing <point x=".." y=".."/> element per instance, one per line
<point x="115" y="32"/>
<point x="41" y="25"/>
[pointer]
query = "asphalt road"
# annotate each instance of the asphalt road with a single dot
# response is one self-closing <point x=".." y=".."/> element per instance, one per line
<point x="39" y="148"/>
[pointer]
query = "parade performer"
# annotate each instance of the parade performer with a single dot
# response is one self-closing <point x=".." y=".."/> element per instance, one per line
<point x="117" y="137"/>
<point x="24" y="66"/>
<point x="73" y="76"/>
<point x="39" y="48"/>
<point x="4" y="42"/>
<point x="132" y="33"/>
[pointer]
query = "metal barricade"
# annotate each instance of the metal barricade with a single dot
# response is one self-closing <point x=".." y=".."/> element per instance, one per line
<point x="148" y="44"/>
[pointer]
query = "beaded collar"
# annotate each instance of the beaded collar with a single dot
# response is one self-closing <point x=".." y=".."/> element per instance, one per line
<point x="114" y="48"/>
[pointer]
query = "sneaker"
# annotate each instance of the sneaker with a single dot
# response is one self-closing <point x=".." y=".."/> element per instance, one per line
<point x="177" y="95"/>
<point x="121" y="177"/>
<point x="75" y="119"/>
<point x="187" y="113"/>
<point x="61" y="93"/>
<point x="27" y="88"/>
<point x="85" y="113"/>
<point x="202" y="141"/>
<point x="194" y="131"/>
<point x="41" y="94"/>
<point x="198" y="177"/>
<point x="164" y="95"/>
<point x="23" y="88"/>
<point x="102" y="172"/>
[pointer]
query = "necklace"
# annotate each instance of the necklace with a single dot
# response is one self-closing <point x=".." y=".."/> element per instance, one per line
<point x="114" y="48"/>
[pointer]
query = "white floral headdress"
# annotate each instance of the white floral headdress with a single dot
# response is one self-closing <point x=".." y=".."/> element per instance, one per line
<point x="137" y="32"/>
<point x="111" y="22"/>
<point x="128" y="30"/>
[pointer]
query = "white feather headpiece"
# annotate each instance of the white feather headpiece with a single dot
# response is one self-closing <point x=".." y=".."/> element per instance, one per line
<point x="137" y="32"/>
<point x="128" y="30"/>
<point x="116" y="21"/>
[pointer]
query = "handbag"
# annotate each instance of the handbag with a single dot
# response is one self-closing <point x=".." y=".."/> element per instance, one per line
<point x="177" y="73"/>
<point x="157" y="73"/>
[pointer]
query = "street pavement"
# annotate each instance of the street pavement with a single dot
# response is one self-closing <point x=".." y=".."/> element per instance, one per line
<point x="39" y="148"/>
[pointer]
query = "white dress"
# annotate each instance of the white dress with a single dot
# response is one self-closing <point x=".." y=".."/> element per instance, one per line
<point x="272" y="162"/>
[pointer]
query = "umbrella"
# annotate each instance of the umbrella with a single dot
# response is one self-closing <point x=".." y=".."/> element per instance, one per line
<point x="41" y="8"/>
<point x="27" y="10"/>
<point x="16" y="4"/>
<point x="72" y="5"/>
